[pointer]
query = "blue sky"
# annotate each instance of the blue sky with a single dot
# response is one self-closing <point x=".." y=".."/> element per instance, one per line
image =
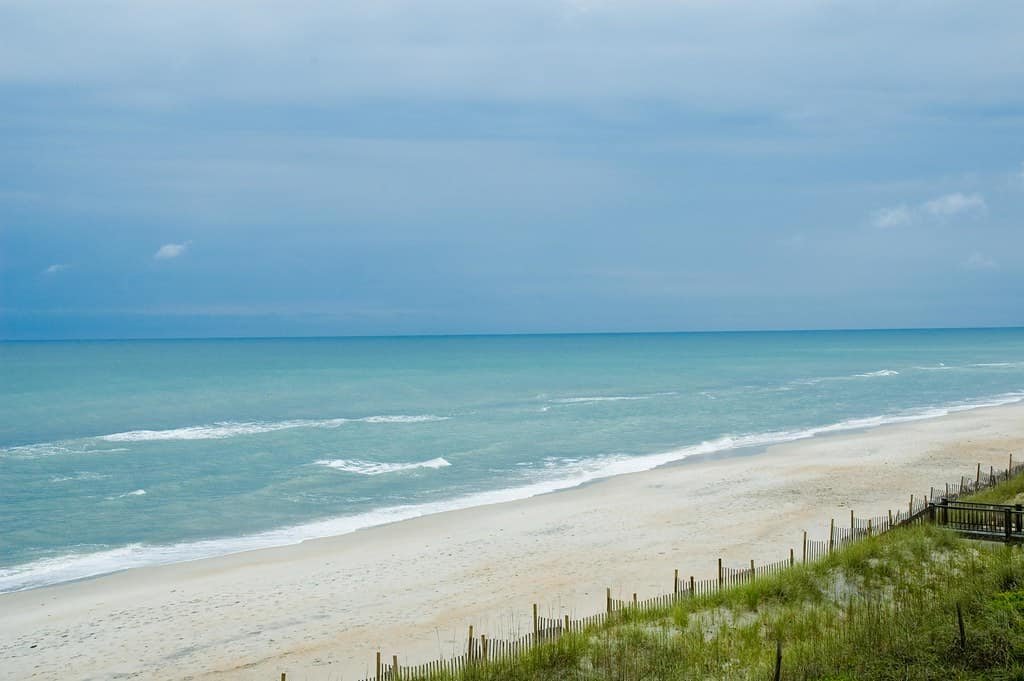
<point x="306" y="168"/>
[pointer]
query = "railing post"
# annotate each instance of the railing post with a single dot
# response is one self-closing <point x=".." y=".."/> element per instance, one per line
<point x="945" y="511"/>
<point x="1020" y="520"/>
<point x="1008" y="521"/>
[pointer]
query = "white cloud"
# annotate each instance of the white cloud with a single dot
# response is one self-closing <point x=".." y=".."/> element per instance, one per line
<point x="897" y="216"/>
<point x="954" y="204"/>
<point x="55" y="268"/>
<point x="980" y="261"/>
<point x="168" y="251"/>
<point x="939" y="208"/>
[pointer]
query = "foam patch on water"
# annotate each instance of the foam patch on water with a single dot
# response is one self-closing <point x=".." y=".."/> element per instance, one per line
<point x="83" y="476"/>
<point x="879" y="373"/>
<point x="575" y="472"/>
<point x="228" y="429"/>
<point x="610" y="398"/>
<point x="135" y="493"/>
<point x="378" y="468"/>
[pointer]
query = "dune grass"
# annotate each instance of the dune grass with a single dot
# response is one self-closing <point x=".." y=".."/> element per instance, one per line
<point x="883" y="608"/>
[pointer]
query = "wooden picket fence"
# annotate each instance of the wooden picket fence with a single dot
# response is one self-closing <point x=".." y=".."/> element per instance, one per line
<point x="923" y="509"/>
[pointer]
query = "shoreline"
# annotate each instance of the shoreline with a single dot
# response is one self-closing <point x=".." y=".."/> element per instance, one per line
<point x="721" y="447"/>
<point x="322" y="606"/>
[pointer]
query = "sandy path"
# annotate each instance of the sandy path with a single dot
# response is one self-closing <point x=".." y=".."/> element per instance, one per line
<point x="319" y="610"/>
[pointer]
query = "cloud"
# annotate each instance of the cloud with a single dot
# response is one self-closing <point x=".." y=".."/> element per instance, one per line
<point x="169" y="251"/>
<point x="980" y="261"/>
<point x="954" y="204"/>
<point x="55" y="268"/>
<point x="897" y="216"/>
<point x="939" y="208"/>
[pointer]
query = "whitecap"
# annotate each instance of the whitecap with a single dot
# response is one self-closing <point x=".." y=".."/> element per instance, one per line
<point x="228" y="429"/>
<point x="134" y="493"/>
<point x="79" y="477"/>
<point x="377" y="468"/>
<point x="609" y="398"/>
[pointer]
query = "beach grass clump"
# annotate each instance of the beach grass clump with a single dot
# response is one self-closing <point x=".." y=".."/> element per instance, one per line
<point x="887" y="607"/>
<point x="1006" y="492"/>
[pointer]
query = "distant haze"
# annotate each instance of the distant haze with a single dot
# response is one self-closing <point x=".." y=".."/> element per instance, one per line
<point x="334" y="168"/>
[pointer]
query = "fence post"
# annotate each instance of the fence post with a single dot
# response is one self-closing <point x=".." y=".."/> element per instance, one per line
<point x="961" y="491"/>
<point x="960" y="624"/>
<point x="378" y="665"/>
<point x="1010" y="469"/>
<point x="565" y="626"/>
<point x="791" y="561"/>
<point x="890" y="519"/>
<point x="483" y="647"/>
<point x="778" y="660"/>
<point x="805" y="546"/>
<point x="869" y="527"/>
<point x="692" y="591"/>
<point x="851" y="522"/>
<point x="991" y="475"/>
<point x="911" y="507"/>
<point x="608" y="600"/>
<point x="536" y="622"/>
<point x="394" y="667"/>
<point x="1008" y="520"/>
<point x="1020" y="521"/>
<point x="284" y="676"/>
<point x="719" y="572"/>
<point x="945" y="511"/>
<point x="831" y="534"/>
<point x="752" y="573"/>
<point x="675" y="583"/>
<point x="977" y="478"/>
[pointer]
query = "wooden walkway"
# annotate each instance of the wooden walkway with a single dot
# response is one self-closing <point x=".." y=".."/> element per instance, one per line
<point x="990" y="522"/>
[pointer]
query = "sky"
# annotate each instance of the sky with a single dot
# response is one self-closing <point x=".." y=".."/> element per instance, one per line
<point x="230" y="168"/>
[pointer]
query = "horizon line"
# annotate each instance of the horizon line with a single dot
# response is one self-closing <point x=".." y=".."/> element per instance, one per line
<point x="508" y="334"/>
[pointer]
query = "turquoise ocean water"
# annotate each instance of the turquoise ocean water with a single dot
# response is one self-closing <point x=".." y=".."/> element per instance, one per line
<point x="119" y="454"/>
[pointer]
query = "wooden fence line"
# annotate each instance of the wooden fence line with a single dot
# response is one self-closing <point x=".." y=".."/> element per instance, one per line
<point x="923" y="509"/>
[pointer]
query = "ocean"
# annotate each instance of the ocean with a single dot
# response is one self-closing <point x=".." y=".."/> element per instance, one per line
<point x="118" y="454"/>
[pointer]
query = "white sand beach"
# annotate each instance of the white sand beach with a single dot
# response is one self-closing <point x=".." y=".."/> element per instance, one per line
<point x="320" y="610"/>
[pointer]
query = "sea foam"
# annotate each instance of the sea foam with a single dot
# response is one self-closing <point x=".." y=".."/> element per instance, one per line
<point x="378" y="468"/>
<point x="228" y="429"/>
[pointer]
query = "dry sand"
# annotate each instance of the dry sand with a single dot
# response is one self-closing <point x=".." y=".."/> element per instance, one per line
<point x="320" y="610"/>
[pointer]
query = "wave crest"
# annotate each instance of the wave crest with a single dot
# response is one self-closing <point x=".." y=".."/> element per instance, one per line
<point x="378" y="468"/>
<point x="227" y="429"/>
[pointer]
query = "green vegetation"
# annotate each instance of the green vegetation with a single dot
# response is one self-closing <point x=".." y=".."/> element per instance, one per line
<point x="883" y="608"/>
<point x="1007" y="492"/>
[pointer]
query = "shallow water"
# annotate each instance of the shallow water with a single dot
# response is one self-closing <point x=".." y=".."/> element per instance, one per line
<point x="124" y="453"/>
